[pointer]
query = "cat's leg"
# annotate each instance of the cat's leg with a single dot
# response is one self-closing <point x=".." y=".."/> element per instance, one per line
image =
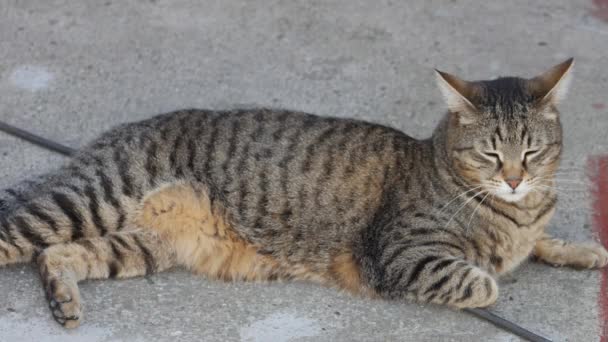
<point x="183" y="226"/>
<point x="117" y="255"/>
<point x="562" y="253"/>
<point x="56" y="208"/>
<point x="430" y="270"/>
<point x="31" y="225"/>
<point x="14" y="243"/>
<point x="449" y="281"/>
<point x="468" y="287"/>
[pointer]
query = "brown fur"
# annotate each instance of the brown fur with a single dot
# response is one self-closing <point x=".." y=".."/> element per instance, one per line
<point x="201" y="235"/>
<point x="203" y="240"/>
<point x="346" y="274"/>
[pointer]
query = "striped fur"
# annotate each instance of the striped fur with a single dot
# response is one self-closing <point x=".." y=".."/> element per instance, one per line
<point x="269" y="194"/>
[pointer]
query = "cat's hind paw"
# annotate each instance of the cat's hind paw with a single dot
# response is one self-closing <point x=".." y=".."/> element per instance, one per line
<point x="65" y="311"/>
<point x="64" y="302"/>
<point x="61" y="292"/>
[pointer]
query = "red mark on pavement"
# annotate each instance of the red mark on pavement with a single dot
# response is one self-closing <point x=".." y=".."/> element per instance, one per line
<point x="598" y="105"/>
<point x="601" y="9"/>
<point x="598" y="167"/>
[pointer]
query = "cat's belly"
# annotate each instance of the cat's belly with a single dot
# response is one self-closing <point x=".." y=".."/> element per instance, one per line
<point x="206" y="242"/>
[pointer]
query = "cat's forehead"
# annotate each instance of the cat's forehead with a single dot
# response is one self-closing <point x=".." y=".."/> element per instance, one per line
<point x="505" y="98"/>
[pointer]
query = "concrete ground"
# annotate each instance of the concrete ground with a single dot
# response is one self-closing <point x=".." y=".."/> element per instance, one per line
<point x="71" y="69"/>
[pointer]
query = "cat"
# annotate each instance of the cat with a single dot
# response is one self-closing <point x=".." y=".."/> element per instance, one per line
<point x="262" y="194"/>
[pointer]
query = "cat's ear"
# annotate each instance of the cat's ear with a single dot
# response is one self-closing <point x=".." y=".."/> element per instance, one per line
<point x="551" y="86"/>
<point x="457" y="94"/>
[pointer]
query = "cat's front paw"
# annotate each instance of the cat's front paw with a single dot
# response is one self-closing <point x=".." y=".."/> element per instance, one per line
<point x="476" y="289"/>
<point x="557" y="252"/>
<point x="589" y="256"/>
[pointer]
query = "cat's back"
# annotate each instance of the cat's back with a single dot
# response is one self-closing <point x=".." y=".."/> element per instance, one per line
<point x="207" y="143"/>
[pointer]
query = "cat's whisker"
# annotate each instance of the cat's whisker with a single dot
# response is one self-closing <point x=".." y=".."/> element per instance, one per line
<point x="457" y="197"/>
<point x="571" y="188"/>
<point x="570" y="176"/>
<point x="571" y="168"/>
<point x="552" y="187"/>
<point x="563" y="178"/>
<point x="570" y="192"/>
<point x="573" y="208"/>
<point x="536" y="190"/>
<point x="566" y="176"/>
<point x="477" y="207"/>
<point x="571" y="163"/>
<point x="570" y="172"/>
<point x="556" y="187"/>
<point x="563" y="183"/>
<point x="463" y="205"/>
<point x="558" y="190"/>
<point x="558" y="176"/>
<point x="567" y="181"/>
<point x="569" y="207"/>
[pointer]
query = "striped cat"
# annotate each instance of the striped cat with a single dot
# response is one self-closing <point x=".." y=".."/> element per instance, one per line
<point x="270" y="194"/>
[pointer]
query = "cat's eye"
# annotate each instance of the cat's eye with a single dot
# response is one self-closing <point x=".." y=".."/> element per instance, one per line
<point x="492" y="155"/>
<point x="495" y="157"/>
<point x="529" y="154"/>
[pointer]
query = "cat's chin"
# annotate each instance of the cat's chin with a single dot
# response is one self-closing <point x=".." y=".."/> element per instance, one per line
<point x="512" y="196"/>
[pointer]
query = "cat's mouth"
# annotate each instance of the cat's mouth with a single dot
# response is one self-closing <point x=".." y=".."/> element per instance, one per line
<point x="513" y="196"/>
<point x="508" y="194"/>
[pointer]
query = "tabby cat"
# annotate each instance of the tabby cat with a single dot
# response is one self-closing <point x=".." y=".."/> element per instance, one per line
<point x="271" y="194"/>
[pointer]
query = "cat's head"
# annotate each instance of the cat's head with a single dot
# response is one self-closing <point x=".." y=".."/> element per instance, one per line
<point x="504" y="136"/>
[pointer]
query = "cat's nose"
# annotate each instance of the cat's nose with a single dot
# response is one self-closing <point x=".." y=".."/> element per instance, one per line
<point x="513" y="181"/>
